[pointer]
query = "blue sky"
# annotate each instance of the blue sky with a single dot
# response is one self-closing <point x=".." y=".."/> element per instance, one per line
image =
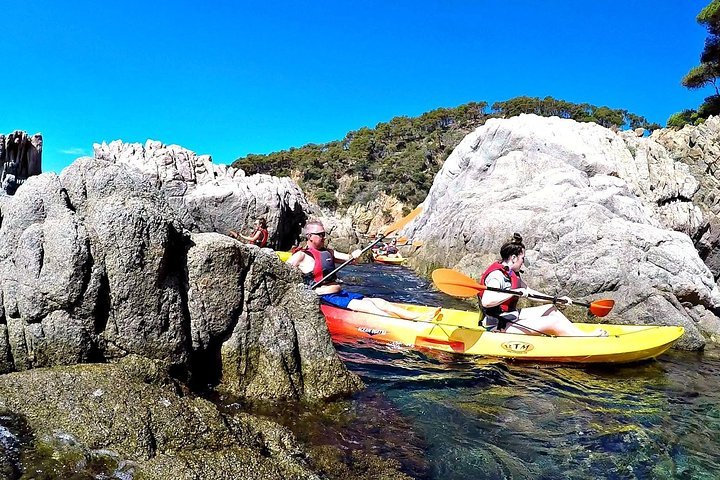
<point x="232" y="78"/>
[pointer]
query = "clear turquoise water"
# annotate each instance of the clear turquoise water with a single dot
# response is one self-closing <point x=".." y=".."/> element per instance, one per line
<point x="447" y="416"/>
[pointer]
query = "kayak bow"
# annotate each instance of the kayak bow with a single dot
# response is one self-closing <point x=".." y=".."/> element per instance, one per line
<point x="391" y="259"/>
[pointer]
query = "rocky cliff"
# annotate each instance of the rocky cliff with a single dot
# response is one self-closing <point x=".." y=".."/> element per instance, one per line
<point x="698" y="147"/>
<point x="95" y="265"/>
<point x="20" y="158"/>
<point x="603" y="213"/>
<point x="215" y="198"/>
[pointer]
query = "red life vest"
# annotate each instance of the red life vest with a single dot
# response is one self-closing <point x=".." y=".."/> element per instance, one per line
<point x="262" y="241"/>
<point x="324" y="263"/>
<point x="510" y="304"/>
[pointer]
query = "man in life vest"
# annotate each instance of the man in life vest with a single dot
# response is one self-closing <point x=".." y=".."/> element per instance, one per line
<point x="259" y="237"/>
<point x="316" y="261"/>
<point x="500" y="309"/>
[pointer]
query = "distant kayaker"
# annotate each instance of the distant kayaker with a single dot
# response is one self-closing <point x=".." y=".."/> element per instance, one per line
<point x="316" y="261"/>
<point x="259" y="237"/>
<point x="500" y="309"/>
<point x="391" y="248"/>
<point x="386" y="248"/>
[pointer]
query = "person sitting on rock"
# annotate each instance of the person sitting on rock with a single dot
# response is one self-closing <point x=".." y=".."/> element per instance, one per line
<point x="500" y="309"/>
<point x="259" y="237"/>
<point x="316" y="261"/>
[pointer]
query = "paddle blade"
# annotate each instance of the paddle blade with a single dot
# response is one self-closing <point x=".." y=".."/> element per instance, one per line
<point x="399" y="224"/>
<point x="600" y="308"/>
<point x="455" y="283"/>
<point x="404" y="242"/>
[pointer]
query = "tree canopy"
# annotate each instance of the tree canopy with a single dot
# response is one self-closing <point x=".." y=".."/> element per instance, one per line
<point x="707" y="73"/>
<point x="402" y="156"/>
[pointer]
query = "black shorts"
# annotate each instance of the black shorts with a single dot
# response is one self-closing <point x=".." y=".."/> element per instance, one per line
<point x="498" y="323"/>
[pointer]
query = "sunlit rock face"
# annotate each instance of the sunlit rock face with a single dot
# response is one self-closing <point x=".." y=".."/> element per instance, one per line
<point x="215" y="198"/>
<point x="20" y="158"/>
<point x="128" y="419"/>
<point x="603" y="214"/>
<point x="698" y="147"/>
<point x="96" y="265"/>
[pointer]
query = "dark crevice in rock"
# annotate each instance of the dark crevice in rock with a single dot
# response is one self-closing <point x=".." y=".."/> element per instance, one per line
<point x="703" y="250"/>
<point x="667" y="201"/>
<point x="101" y="313"/>
<point x="206" y="367"/>
<point x="184" y="279"/>
<point x="289" y="227"/>
<point x="152" y="441"/>
<point x="173" y="274"/>
<point x="87" y="274"/>
<point x="294" y="374"/>
<point x="100" y="309"/>
<point x="41" y="258"/>
<point x="66" y="200"/>
<point x="7" y="364"/>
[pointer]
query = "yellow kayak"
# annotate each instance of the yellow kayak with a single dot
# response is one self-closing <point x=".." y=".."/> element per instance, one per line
<point x="283" y="256"/>
<point x="392" y="259"/>
<point x="458" y="331"/>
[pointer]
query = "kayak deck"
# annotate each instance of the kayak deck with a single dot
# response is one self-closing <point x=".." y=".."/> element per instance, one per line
<point x="283" y="256"/>
<point x="391" y="259"/>
<point x="458" y="331"/>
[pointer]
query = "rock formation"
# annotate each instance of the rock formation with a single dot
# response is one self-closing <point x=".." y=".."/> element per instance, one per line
<point x="130" y="420"/>
<point x="603" y="214"/>
<point x="699" y="148"/>
<point x="95" y="265"/>
<point x="20" y="158"/>
<point x="215" y="198"/>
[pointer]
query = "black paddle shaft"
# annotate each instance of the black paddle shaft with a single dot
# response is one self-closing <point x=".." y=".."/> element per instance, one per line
<point x="535" y="296"/>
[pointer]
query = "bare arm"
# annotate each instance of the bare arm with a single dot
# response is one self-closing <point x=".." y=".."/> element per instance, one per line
<point x="344" y="257"/>
<point x="295" y="259"/>
<point x="492" y="299"/>
<point x="256" y="236"/>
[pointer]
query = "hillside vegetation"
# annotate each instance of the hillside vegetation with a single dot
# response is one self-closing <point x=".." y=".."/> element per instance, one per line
<point x="402" y="156"/>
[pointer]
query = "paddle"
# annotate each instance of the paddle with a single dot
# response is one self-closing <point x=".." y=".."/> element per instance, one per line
<point x="458" y="285"/>
<point x="393" y="227"/>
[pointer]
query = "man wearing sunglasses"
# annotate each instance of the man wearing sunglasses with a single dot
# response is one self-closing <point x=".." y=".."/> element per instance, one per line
<point x="316" y="261"/>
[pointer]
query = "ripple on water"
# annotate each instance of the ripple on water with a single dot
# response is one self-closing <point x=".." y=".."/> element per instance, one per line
<point x="473" y="418"/>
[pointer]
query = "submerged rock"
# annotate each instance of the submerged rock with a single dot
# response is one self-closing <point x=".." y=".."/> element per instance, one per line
<point x="130" y="418"/>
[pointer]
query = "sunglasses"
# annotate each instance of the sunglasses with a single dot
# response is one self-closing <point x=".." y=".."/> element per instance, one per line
<point x="319" y="234"/>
